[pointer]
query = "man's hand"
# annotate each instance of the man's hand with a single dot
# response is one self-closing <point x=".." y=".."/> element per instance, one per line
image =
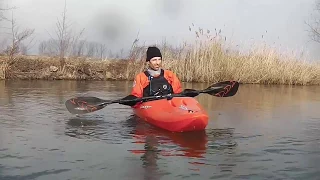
<point x="190" y="92"/>
<point x="130" y="103"/>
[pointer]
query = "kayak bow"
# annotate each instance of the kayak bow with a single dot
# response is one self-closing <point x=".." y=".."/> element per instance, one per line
<point x="180" y="114"/>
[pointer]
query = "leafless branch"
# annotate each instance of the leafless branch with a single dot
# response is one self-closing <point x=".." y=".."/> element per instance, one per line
<point x="65" y="43"/>
<point x="314" y="26"/>
<point x="17" y="37"/>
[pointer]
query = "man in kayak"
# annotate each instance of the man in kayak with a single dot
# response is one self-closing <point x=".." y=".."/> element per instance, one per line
<point x="155" y="80"/>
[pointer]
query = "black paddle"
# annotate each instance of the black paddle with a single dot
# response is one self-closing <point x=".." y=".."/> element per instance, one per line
<point x="82" y="105"/>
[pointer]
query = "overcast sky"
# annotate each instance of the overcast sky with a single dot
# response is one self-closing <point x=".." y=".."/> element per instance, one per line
<point x="117" y="23"/>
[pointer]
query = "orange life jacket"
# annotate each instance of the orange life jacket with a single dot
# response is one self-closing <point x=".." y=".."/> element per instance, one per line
<point x="146" y="85"/>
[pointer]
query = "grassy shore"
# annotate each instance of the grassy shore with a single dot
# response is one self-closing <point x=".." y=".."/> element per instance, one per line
<point x="205" y="61"/>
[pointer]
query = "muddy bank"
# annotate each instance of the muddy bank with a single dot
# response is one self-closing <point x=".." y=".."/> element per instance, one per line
<point x="48" y="68"/>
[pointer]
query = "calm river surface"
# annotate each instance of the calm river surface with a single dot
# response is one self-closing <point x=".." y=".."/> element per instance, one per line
<point x="263" y="132"/>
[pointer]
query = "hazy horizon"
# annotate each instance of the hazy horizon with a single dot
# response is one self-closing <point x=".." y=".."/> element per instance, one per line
<point x="117" y="23"/>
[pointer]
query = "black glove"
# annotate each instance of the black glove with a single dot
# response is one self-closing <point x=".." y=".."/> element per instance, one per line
<point x="129" y="103"/>
<point x="190" y="92"/>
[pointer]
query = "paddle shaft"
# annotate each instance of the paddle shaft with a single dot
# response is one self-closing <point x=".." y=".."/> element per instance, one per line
<point x="82" y="105"/>
<point x="151" y="97"/>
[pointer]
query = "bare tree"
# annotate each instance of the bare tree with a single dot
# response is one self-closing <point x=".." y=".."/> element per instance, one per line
<point x="137" y="50"/>
<point x="102" y="51"/>
<point x="49" y="48"/>
<point x="2" y="10"/>
<point x="65" y="39"/>
<point x="81" y="48"/>
<point x="17" y="37"/>
<point x="314" y="26"/>
<point x="42" y="48"/>
<point x="4" y="26"/>
<point x="64" y="35"/>
<point x="23" y="49"/>
<point x="90" y="46"/>
<point x="78" y="48"/>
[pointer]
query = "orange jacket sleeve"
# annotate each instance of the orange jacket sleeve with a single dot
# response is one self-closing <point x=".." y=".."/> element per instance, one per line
<point x="137" y="89"/>
<point x="175" y="82"/>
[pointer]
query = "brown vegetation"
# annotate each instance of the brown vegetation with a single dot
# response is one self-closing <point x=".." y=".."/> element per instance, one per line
<point x="47" y="68"/>
<point x="205" y="62"/>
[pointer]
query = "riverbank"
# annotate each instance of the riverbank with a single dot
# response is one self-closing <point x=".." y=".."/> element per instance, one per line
<point x="203" y="62"/>
<point x="48" y="68"/>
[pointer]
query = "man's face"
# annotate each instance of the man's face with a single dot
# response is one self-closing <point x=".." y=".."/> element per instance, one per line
<point x="155" y="63"/>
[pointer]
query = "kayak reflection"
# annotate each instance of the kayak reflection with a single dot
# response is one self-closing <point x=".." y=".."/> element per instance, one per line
<point x="194" y="146"/>
<point x="162" y="144"/>
<point x="166" y="143"/>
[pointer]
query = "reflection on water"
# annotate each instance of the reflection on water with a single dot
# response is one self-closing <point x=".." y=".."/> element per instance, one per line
<point x="97" y="128"/>
<point x="268" y="132"/>
<point x="190" y="144"/>
<point x="152" y="144"/>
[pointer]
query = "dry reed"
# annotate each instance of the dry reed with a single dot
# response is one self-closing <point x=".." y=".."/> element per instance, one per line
<point x="2" y="71"/>
<point x="206" y="60"/>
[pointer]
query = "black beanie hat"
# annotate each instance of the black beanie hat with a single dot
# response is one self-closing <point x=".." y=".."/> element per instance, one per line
<point x="153" y="52"/>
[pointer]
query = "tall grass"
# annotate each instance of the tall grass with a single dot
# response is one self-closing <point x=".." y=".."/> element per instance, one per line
<point x="207" y="60"/>
<point x="3" y="67"/>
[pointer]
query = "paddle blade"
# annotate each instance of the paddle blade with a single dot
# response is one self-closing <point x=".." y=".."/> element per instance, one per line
<point x="228" y="88"/>
<point x="82" y="105"/>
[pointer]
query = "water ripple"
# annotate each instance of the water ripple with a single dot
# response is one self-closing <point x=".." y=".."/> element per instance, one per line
<point x="33" y="175"/>
<point x="40" y="139"/>
<point x="97" y="128"/>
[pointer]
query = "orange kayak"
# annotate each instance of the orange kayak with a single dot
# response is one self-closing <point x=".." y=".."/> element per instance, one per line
<point x="179" y="114"/>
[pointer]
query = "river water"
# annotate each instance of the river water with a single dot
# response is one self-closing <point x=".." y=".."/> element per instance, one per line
<point x="263" y="132"/>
